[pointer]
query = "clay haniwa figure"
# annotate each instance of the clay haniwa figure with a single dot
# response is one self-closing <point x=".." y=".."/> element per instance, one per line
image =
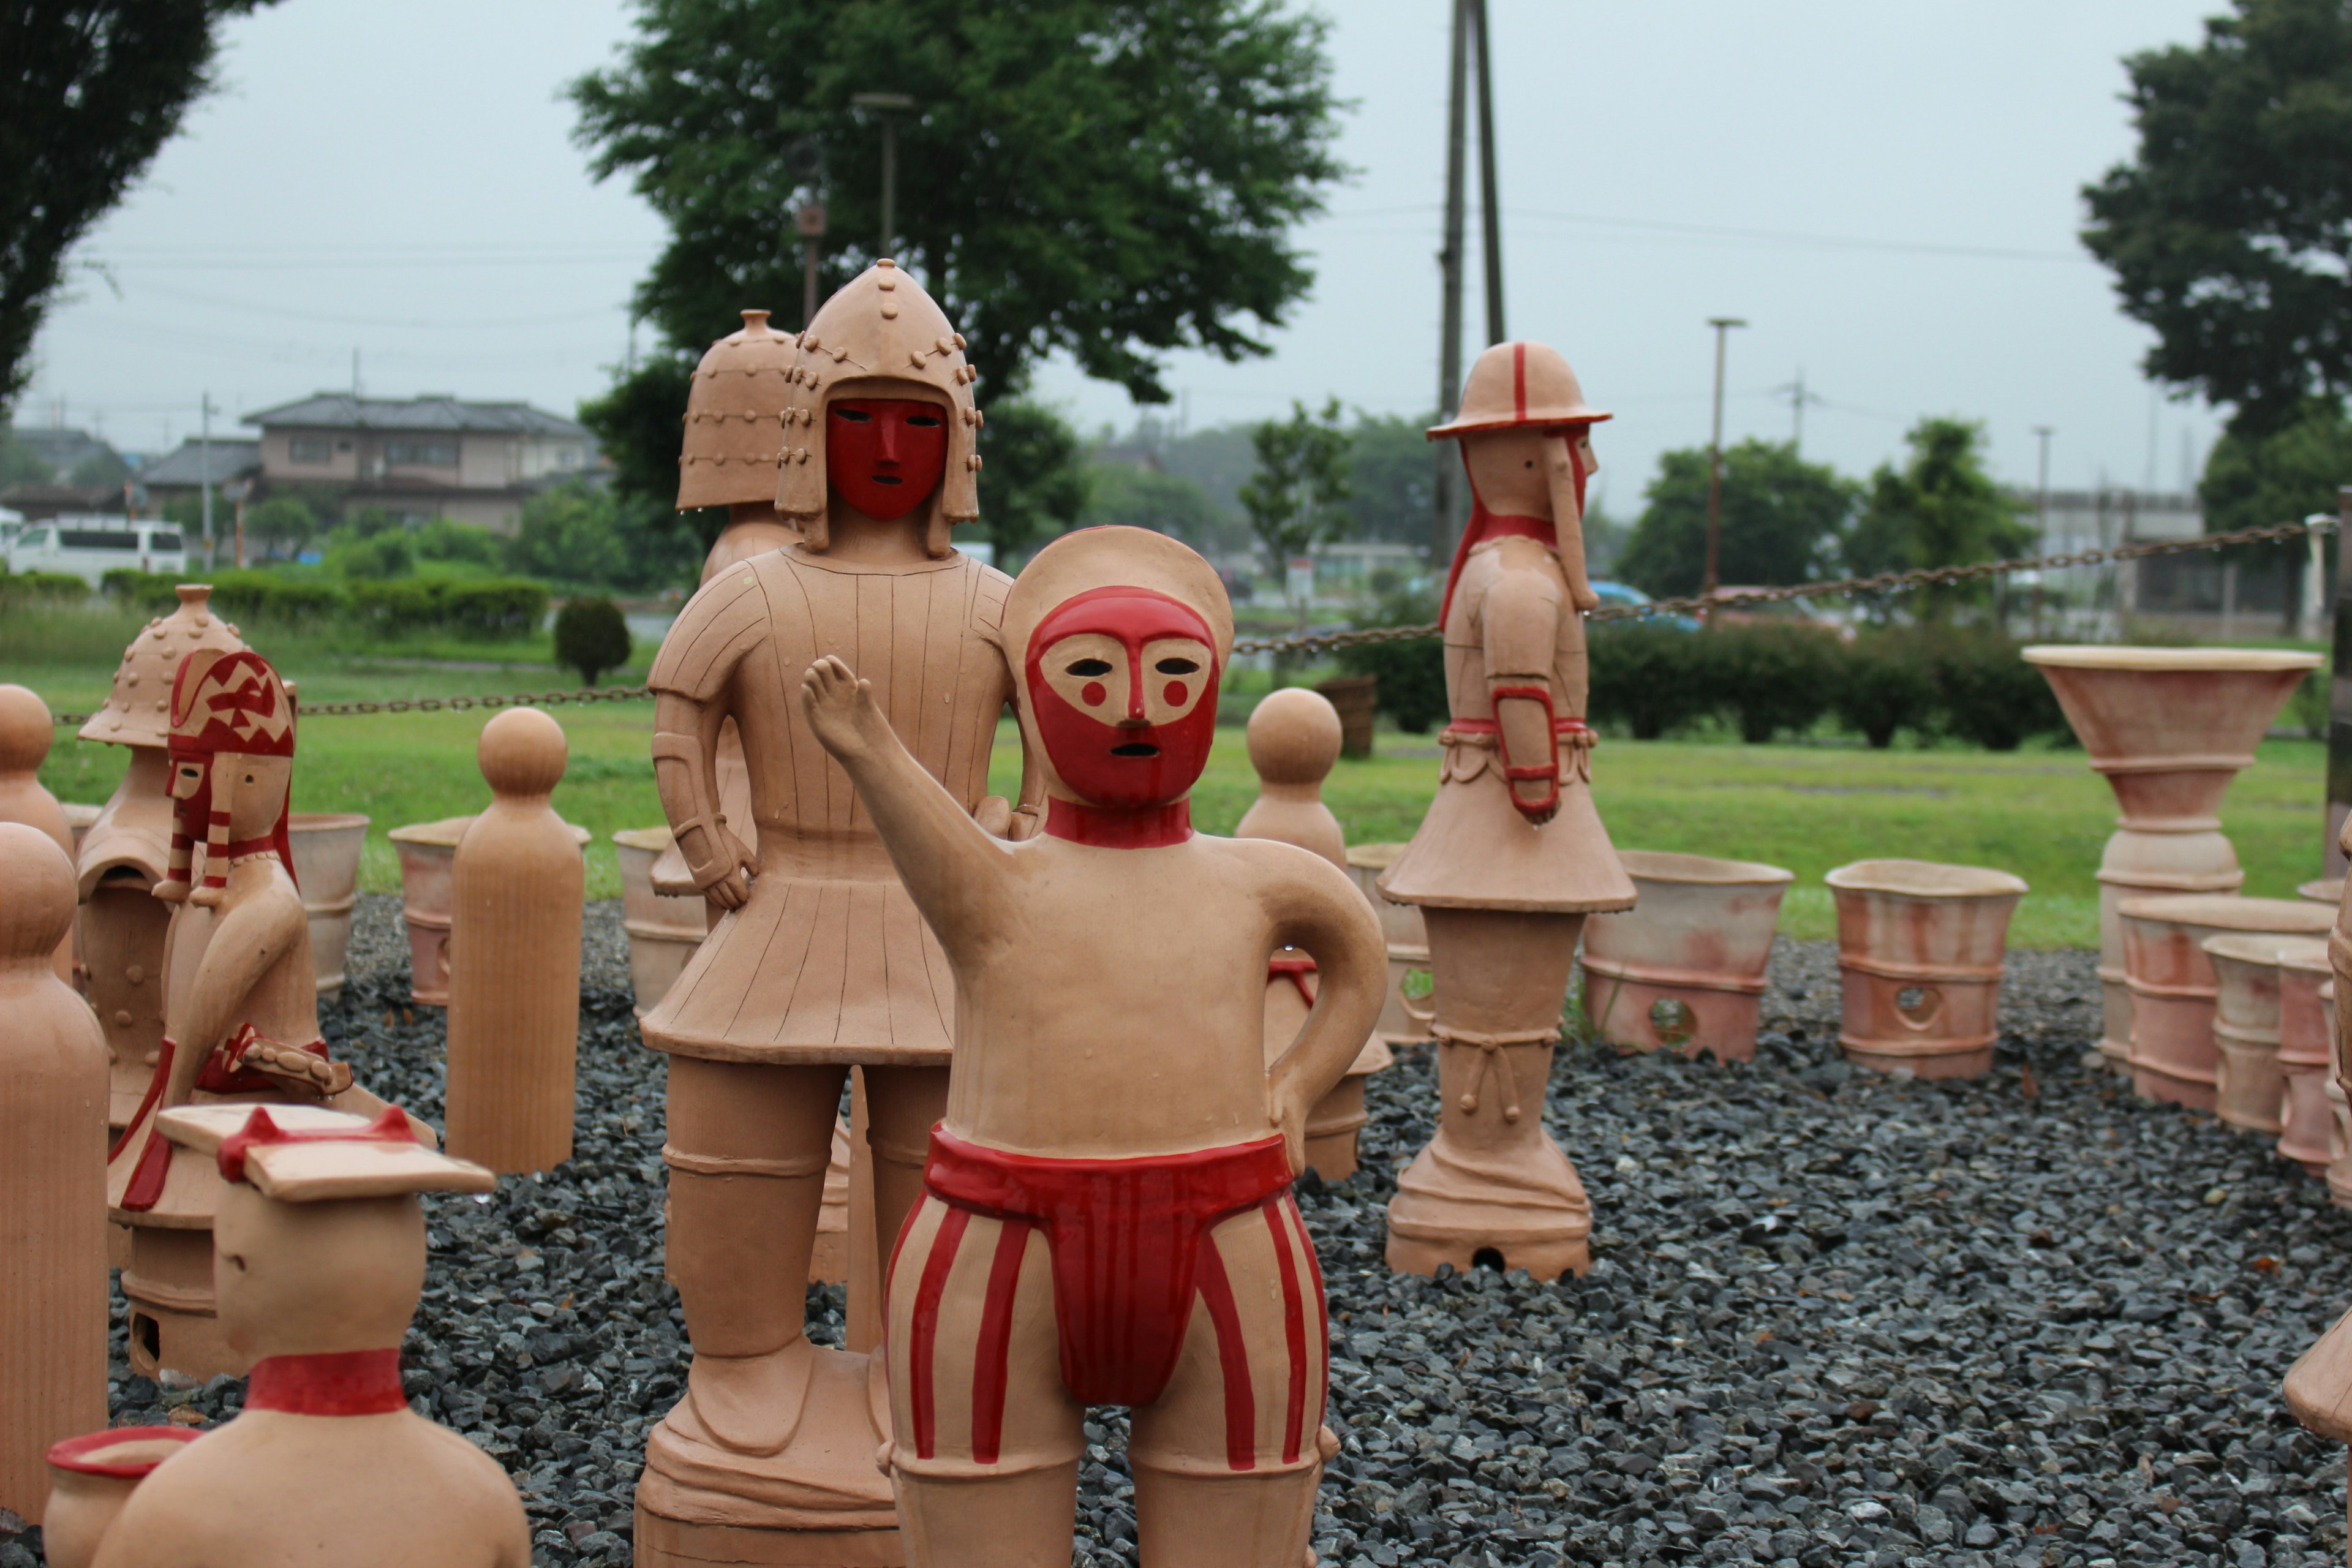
<point x="321" y="1259"/>
<point x="123" y="854"/>
<point x="1107" y="1215"/>
<point x="243" y="1012"/>
<point x="1293" y="740"/>
<point x="1511" y="855"/>
<point x="24" y="743"/>
<point x="53" y="1307"/>
<point x="820" y="960"/>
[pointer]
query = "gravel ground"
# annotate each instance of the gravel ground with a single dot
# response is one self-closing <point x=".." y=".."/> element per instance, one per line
<point x="1833" y="1318"/>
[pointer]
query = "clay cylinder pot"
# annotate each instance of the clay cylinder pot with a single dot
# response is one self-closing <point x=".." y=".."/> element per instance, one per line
<point x="2339" y="1163"/>
<point x="92" y="1477"/>
<point x="427" y="850"/>
<point x="2168" y="729"/>
<point x="1683" y="968"/>
<point x="1356" y="700"/>
<point x="2248" y="1090"/>
<point x="517" y="890"/>
<point x="1919" y="957"/>
<point x="664" y="929"/>
<point x="2306" y="1057"/>
<point x="1404" y="1019"/>
<point x="326" y="848"/>
<point x="2173" y="987"/>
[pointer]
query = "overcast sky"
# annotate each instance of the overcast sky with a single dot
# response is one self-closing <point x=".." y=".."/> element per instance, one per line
<point x="1887" y="192"/>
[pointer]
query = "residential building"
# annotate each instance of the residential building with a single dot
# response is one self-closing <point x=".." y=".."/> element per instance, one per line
<point x="184" y="471"/>
<point x="425" y="457"/>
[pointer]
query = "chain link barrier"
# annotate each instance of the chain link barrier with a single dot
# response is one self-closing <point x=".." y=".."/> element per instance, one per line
<point x="1886" y="582"/>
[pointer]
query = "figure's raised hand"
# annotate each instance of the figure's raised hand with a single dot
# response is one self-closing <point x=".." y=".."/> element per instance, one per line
<point x="840" y="708"/>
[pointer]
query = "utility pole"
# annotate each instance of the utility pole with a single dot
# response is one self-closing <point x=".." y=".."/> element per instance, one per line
<point x="890" y="105"/>
<point x="2042" y="484"/>
<point x="1722" y="325"/>
<point x="1449" y="263"/>
<point x="1797" y="398"/>
<point x="810" y="221"/>
<point x="205" y="451"/>
<point x="1490" y="204"/>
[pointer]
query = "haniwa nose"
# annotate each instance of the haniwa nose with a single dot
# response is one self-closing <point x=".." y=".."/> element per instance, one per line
<point x="890" y="438"/>
<point x="1136" y="718"/>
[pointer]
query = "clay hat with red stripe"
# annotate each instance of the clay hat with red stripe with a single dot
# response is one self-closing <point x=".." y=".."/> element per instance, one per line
<point x="1518" y="384"/>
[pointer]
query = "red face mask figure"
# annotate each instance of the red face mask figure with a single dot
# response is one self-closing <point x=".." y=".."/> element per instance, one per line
<point x="226" y="708"/>
<point x="1106" y="1215"/>
<point x="1123" y="681"/>
<point x="885" y="455"/>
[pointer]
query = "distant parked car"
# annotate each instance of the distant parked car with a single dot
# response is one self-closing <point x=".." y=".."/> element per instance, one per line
<point x="91" y="547"/>
<point x="1783" y="613"/>
<point x="1615" y="595"/>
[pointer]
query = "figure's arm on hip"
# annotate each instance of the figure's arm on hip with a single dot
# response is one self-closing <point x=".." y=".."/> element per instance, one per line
<point x="1328" y="919"/>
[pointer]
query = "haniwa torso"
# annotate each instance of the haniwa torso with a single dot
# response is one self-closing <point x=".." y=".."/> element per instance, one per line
<point x="1511" y="616"/>
<point x="828" y="960"/>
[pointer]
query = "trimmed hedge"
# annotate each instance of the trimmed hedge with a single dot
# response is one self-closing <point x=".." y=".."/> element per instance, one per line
<point x="494" y="609"/>
<point x="53" y="587"/>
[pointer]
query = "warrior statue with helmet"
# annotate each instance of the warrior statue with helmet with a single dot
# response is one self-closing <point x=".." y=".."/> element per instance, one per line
<point x="1106" y="1215"/>
<point x="1511" y="855"/>
<point x="243" y="1017"/>
<point x="820" y="961"/>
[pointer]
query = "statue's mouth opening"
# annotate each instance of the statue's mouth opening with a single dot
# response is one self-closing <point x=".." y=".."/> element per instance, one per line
<point x="1135" y="749"/>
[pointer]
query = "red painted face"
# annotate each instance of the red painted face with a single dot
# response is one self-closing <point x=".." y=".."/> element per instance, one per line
<point x="1124" y="684"/>
<point x="885" y="455"/>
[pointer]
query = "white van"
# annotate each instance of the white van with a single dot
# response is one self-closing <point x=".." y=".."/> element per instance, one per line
<point x="91" y="547"/>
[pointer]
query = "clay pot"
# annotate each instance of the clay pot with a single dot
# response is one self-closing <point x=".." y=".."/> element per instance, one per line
<point x="2307" y="1058"/>
<point x="2173" y="988"/>
<point x="664" y="929"/>
<point x="1404" y="1021"/>
<point x="427" y="850"/>
<point x="326" y="848"/>
<point x="1919" y="956"/>
<point x="1683" y="968"/>
<point x="90" y="1477"/>
<point x="2339" y="1162"/>
<point x="2248" y="1090"/>
<point x="2169" y="729"/>
<point x="1356" y="697"/>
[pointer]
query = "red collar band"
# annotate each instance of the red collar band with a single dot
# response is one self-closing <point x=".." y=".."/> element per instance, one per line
<point x="338" y="1383"/>
<point x="1147" y="827"/>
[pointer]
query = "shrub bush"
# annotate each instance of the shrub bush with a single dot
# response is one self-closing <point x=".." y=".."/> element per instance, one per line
<point x="1647" y="677"/>
<point x="1768" y="679"/>
<point x="54" y="587"/>
<point x="592" y="637"/>
<point x="1884" y="683"/>
<point x="495" y="609"/>
<point x="1990" y="697"/>
<point x="1411" y="672"/>
<point x="136" y="590"/>
<point x="251" y="593"/>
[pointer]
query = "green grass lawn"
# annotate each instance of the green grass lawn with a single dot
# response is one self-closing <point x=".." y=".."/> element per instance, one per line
<point x="2039" y="813"/>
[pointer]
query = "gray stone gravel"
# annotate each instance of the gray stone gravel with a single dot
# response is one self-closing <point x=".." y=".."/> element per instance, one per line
<point x="1833" y="1319"/>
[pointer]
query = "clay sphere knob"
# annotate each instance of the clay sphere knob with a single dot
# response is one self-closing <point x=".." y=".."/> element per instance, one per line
<point x="522" y="751"/>
<point x="36" y="896"/>
<point x="25" y="729"/>
<point x="1294" y="737"/>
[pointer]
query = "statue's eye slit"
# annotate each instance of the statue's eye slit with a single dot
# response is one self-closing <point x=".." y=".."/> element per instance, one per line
<point x="1091" y="667"/>
<point x="853" y="416"/>
<point x="924" y="420"/>
<point x="1176" y="667"/>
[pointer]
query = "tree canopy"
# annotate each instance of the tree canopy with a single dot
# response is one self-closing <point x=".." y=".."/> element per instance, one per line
<point x="1295" y="500"/>
<point x="1111" y="179"/>
<point x="2230" y="231"/>
<point x="1940" y="508"/>
<point x="1035" y="484"/>
<point x="89" y="91"/>
<point x="2251" y="480"/>
<point x="1783" y="520"/>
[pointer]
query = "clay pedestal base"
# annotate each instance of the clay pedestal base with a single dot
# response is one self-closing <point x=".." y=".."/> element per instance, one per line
<point x="1492" y="1186"/>
<point x="674" y="1542"/>
<point x="168" y="1287"/>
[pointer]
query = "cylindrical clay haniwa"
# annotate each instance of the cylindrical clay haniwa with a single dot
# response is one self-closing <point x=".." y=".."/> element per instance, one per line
<point x="514" y="957"/>
<point x="24" y="742"/>
<point x="52" y="1296"/>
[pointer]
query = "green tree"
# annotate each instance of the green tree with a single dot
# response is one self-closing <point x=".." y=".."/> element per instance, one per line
<point x="1391" y="461"/>
<point x="89" y="90"/>
<point x="2226" y="231"/>
<point x="1782" y="520"/>
<point x="578" y="532"/>
<point x="1294" y="500"/>
<point x="2253" y="480"/>
<point x="1033" y="480"/>
<point x="1137" y="496"/>
<point x="1109" y="178"/>
<point x="280" y="525"/>
<point x="102" y="469"/>
<point x="1940" y="509"/>
<point x="19" y="464"/>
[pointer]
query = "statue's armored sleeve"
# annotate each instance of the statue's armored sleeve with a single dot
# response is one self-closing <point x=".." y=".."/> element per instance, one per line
<point x="724" y="621"/>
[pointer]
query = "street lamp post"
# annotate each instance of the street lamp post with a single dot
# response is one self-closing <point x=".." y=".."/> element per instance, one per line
<point x="890" y="105"/>
<point x="1722" y="325"/>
